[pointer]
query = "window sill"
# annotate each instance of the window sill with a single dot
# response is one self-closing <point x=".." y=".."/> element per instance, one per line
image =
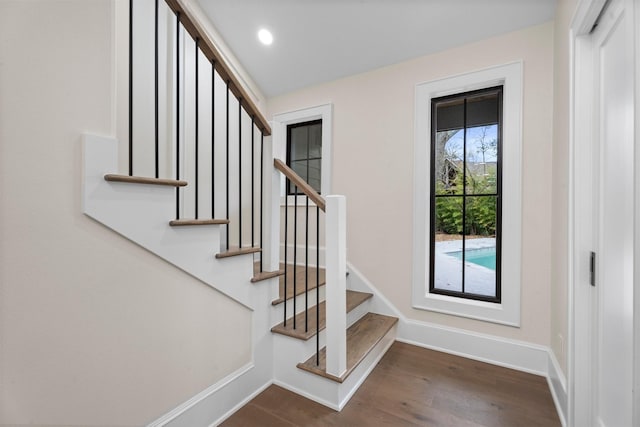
<point x="472" y="309"/>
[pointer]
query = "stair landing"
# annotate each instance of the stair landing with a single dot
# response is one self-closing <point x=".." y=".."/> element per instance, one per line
<point x="362" y="337"/>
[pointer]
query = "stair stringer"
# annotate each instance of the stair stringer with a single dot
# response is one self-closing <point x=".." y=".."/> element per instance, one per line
<point x="288" y="352"/>
<point x="141" y="213"/>
<point x="335" y="395"/>
<point x="221" y="400"/>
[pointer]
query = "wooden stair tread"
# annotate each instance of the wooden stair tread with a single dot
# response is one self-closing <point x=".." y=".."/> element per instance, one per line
<point x="300" y="279"/>
<point x="210" y="221"/>
<point x="362" y="337"/>
<point x="257" y="277"/>
<point x="264" y="275"/>
<point x="144" y="180"/>
<point x="237" y="251"/>
<point x="354" y="299"/>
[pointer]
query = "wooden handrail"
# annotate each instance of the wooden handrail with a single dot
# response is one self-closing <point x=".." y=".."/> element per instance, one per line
<point x="301" y="183"/>
<point x="214" y="56"/>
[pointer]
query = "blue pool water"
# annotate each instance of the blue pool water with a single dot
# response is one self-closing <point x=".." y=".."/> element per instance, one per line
<point x="486" y="257"/>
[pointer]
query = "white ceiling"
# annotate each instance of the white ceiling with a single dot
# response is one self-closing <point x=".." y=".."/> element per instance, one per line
<point x="317" y="41"/>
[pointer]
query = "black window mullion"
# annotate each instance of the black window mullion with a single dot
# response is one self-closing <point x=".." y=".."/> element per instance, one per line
<point x="499" y="202"/>
<point x="464" y="190"/>
<point x="432" y="198"/>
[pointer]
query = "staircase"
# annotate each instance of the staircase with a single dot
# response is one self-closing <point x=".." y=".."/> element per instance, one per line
<point x="312" y="334"/>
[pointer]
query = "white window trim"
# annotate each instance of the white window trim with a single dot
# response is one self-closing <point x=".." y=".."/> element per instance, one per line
<point x="508" y="311"/>
<point x="279" y="132"/>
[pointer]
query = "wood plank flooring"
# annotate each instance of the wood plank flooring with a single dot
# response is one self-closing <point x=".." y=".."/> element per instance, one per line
<point x="412" y="386"/>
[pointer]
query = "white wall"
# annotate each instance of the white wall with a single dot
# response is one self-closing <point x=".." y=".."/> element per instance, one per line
<point x="560" y="188"/>
<point x="373" y="128"/>
<point x="93" y="329"/>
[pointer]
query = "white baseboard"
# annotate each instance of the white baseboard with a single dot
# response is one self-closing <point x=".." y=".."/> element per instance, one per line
<point x="241" y="404"/>
<point x="309" y="396"/>
<point x="195" y="400"/>
<point x="498" y="351"/>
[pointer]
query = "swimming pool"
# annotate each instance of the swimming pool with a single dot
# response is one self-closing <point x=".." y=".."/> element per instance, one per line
<point x="485" y="257"/>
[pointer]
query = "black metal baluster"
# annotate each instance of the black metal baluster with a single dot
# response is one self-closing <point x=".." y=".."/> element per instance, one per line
<point x="227" y="170"/>
<point x="318" y="285"/>
<point x="286" y="229"/>
<point x="213" y="151"/>
<point x="306" y="270"/>
<point x="130" y="87"/>
<point x="178" y="112"/>
<point x="157" y="136"/>
<point x="295" y="252"/>
<point x="239" y="172"/>
<point x="261" y="193"/>
<point x="197" y="54"/>
<point x="252" y="182"/>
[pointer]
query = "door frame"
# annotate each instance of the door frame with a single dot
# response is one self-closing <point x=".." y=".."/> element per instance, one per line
<point x="581" y="238"/>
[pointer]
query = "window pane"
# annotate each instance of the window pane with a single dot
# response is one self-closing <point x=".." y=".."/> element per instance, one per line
<point x="449" y="146"/>
<point x="482" y="160"/>
<point x="480" y="266"/>
<point x="480" y="218"/>
<point x="314" y="174"/>
<point x="447" y="269"/>
<point x="315" y="141"/>
<point x="480" y="245"/>
<point x="299" y="167"/>
<point x="304" y="156"/>
<point x="298" y="143"/>
<point x="482" y="109"/>
<point x="450" y="114"/>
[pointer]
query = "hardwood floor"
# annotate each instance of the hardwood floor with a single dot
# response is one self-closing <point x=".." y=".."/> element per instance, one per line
<point x="412" y="386"/>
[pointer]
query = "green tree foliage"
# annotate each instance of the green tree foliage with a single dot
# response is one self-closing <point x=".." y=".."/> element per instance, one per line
<point x="480" y="211"/>
<point x="480" y="178"/>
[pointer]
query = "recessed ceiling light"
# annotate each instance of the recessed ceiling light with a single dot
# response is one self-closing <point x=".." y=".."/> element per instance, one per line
<point x="265" y="37"/>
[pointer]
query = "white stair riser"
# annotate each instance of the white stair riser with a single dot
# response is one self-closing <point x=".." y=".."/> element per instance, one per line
<point x="277" y="310"/>
<point x="356" y="314"/>
<point x="322" y="390"/>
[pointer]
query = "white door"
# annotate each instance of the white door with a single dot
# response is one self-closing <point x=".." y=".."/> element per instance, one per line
<point x="614" y="181"/>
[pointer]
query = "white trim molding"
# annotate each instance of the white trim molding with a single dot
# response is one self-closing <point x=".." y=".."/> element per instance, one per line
<point x="279" y="132"/>
<point x="507" y="312"/>
<point x="558" y="387"/>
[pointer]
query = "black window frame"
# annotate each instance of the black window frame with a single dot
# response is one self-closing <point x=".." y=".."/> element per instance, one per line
<point x="290" y="188"/>
<point x="498" y="195"/>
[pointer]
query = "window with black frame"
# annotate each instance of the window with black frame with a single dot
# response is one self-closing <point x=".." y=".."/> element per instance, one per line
<point x="304" y="153"/>
<point x="466" y="141"/>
